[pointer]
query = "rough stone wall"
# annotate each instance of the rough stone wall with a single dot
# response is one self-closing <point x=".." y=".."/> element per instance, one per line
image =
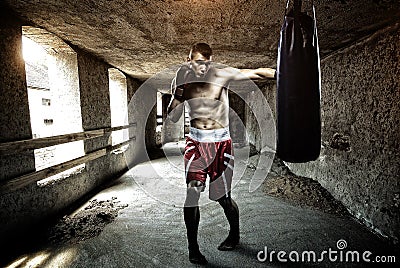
<point x="142" y="37"/>
<point x="23" y="209"/>
<point x="171" y="132"/>
<point x="135" y="146"/>
<point x="360" y="102"/>
<point x="253" y="128"/>
<point x="96" y="112"/>
<point x="237" y="118"/>
<point x="14" y="108"/>
<point x="151" y="123"/>
<point x="14" y="112"/>
<point x="142" y="113"/>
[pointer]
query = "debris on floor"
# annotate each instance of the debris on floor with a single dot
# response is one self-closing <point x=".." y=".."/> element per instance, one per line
<point x="300" y="191"/>
<point x="87" y="223"/>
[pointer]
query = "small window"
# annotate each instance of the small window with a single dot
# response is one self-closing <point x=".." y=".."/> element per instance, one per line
<point x="48" y="121"/>
<point x="46" y="102"/>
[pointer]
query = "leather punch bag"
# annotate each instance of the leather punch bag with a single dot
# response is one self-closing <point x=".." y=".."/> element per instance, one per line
<point x="298" y="88"/>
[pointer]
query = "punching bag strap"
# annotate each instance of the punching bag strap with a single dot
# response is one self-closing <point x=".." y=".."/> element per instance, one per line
<point x="287" y="6"/>
<point x="297" y="9"/>
<point x="315" y="41"/>
<point x="298" y="4"/>
<point x="296" y="33"/>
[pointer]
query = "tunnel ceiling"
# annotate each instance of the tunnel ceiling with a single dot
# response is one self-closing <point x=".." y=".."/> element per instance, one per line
<point x="142" y="37"/>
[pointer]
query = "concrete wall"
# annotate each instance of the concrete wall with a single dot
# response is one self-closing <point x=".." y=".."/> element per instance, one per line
<point x="23" y="208"/>
<point x="254" y="104"/>
<point x="360" y="99"/>
<point x="360" y="102"/>
<point x="142" y="111"/>
<point x="26" y="208"/>
<point x="171" y="132"/>
<point x="96" y="114"/>
<point x="237" y="119"/>
<point x="14" y="108"/>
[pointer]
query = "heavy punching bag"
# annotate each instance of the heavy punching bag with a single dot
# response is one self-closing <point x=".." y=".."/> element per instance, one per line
<point x="298" y="88"/>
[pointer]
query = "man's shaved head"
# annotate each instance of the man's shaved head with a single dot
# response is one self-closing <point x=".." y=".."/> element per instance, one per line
<point x="202" y="48"/>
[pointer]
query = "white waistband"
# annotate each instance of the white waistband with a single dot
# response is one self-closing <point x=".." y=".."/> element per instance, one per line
<point x="209" y="135"/>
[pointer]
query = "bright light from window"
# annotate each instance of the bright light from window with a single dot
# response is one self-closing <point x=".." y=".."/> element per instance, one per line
<point x="32" y="51"/>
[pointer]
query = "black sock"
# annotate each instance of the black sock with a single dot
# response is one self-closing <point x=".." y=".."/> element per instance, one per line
<point x="232" y="214"/>
<point x="192" y="218"/>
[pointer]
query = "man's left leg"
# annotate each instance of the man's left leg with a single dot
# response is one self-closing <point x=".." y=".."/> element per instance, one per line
<point x="220" y="190"/>
<point x="231" y="211"/>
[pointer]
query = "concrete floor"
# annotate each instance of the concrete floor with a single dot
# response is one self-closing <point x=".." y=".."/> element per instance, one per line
<point x="150" y="232"/>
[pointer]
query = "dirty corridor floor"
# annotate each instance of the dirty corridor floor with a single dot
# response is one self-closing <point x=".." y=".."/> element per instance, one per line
<point x="150" y="232"/>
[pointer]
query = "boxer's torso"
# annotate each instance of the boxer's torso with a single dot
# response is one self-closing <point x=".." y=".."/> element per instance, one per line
<point x="207" y="101"/>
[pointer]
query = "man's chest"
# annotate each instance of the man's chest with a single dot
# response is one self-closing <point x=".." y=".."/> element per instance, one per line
<point x="203" y="90"/>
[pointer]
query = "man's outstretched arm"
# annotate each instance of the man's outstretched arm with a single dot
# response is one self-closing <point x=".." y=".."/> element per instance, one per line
<point x="259" y="73"/>
<point x="233" y="74"/>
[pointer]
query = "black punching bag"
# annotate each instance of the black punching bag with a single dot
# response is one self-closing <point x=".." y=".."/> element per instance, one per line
<point x="298" y="88"/>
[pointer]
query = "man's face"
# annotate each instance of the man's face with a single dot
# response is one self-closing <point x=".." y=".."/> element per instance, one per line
<point x="200" y="64"/>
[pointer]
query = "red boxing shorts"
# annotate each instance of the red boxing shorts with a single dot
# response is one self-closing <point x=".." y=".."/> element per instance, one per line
<point x="210" y="152"/>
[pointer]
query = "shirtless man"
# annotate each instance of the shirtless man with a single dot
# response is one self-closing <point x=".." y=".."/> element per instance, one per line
<point x="208" y="151"/>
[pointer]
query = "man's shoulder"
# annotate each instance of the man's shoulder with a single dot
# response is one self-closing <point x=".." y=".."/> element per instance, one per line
<point x="183" y="75"/>
<point x="183" y="70"/>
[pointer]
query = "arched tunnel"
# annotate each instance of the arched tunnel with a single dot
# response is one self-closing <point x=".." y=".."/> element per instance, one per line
<point x="92" y="170"/>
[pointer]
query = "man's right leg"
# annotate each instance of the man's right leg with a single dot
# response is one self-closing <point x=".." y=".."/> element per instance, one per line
<point x="191" y="214"/>
<point x="232" y="214"/>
